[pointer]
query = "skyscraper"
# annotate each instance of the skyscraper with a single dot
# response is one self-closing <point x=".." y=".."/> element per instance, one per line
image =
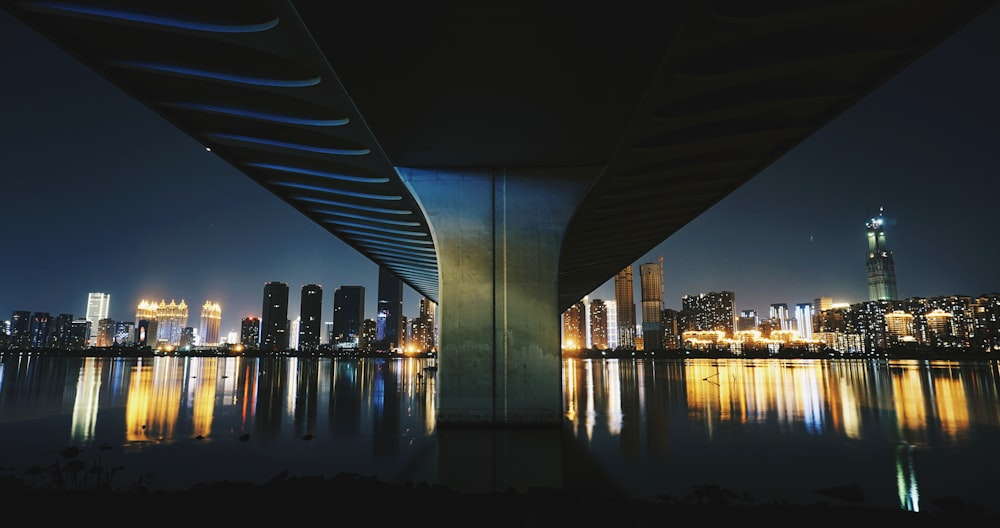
<point x="97" y="309"/>
<point x="389" y="311"/>
<point x="625" y="305"/>
<point x="651" y="288"/>
<point x="879" y="265"/>
<point x="598" y="324"/>
<point x="804" y="319"/>
<point x="310" y="316"/>
<point x="573" y="337"/>
<point x="211" y="317"/>
<point x="250" y="332"/>
<point x="171" y="319"/>
<point x="274" y="318"/>
<point x="348" y="316"/>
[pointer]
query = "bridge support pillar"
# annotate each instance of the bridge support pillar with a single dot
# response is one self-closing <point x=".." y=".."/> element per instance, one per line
<point x="499" y="234"/>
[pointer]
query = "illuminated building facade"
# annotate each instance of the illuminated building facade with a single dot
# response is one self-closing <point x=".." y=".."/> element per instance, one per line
<point x="98" y="305"/>
<point x="804" y="320"/>
<point x="105" y="332"/>
<point x="599" y="324"/>
<point x="747" y="321"/>
<point x="348" y="317"/>
<point x="878" y="264"/>
<point x="211" y="319"/>
<point x="310" y="317"/>
<point x="38" y="329"/>
<point x="250" y="332"/>
<point x="625" y="308"/>
<point x="171" y="319"/>
<point x="422" y="335"/>
<point x="779" y="313"/>
<point x="573" y="337"/>
<point x="671" y="328"/>
<point x="274" y="318"/>
<point x="714" y="311"/>
<point x="651" y="291"/>
<point x="611" y="308"/>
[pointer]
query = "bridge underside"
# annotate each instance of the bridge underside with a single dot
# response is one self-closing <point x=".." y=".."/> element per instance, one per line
<point x="503" y="162"/>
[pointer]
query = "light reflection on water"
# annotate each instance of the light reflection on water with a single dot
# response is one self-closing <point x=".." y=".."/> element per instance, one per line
<point x="907" y="432"/>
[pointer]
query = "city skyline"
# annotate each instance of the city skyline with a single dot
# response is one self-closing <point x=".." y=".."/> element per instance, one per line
<point x="102" y="195"/>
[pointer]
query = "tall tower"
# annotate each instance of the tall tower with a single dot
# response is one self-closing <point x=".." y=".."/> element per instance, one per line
<point x="881" y="270"/>
<point x="274" y="318"/>
<point x="598" y="324"/>
<point x="211" y="318"/>
<point x="625" y="305"/>
<point x="348" y="316"/>
<point x="651" y="288"/>
<point x="389" y="314"/>
<point x="97" y="309"/>
<point x="310" y="315"/>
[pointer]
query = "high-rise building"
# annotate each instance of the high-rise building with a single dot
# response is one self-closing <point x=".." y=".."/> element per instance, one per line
<point x="124" y="334"/>
<point x="98" y="305"/>
<point x="389" y="310"/>
<point x="573" y="337"/>
<point x="598" y="324"/>
<point x="625" y="306"/>
<point x="211" y="319"/>
<point x="39" y="329"/>
<point x="293" y="333"/>
<point x="59" y="328"/>
<point x="711" y="311"/>
<point x="748" y="320"/>
<point x="20" y="330"/>
<point x="145" y="323"/>
<point x="878" y="264"/>
<point x="310" y="317"/>
<point x="274" y="318"/>
<point x="79" y="333"/>
<point x="779" y="313"/>
<point x="611" y="309"/>
<point x="171" y="319"/>
<point x="651" y="290"/>
<point x="422" y="333"/>
<point x="250" y="332"/>
<point x="804" y="320"/>
<point x="348" y="316"/>
<point x="105" y="332"/>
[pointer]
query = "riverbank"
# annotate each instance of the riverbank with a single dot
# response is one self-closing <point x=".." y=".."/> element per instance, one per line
<point x="328" y="501"/>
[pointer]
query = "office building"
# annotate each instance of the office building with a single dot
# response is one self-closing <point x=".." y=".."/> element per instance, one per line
<point x="878" y="264"/>
<point x="211" y="319"/>
<point x="348" y="317"/>
<point x="250" y="332"/>
<point x="389" y="310"/>
<point x="38" y="329"/>
<point x="310" y="317"/>
<point x="598" y="324"/>
<point x="274" y="318"/>
<point x="710" y="311"/>
<point x="573" y="327"/>
<point x="804" y="320"/>
<point x="651" y="293"/>
<point x="171" y="319"/>
<point x="625" y="306"/>
<point x="748" y="321"/>
<point x="98" y="305"/>
<point x="423" y="327"/>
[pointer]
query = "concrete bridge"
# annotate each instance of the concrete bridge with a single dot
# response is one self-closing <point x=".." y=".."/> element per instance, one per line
<point x="504" y="160"/>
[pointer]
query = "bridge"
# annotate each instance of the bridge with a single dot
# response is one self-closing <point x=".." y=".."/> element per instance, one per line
<point x="503" y="160"/>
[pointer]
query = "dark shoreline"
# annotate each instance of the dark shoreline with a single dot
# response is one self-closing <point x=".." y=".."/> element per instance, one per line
<point x="330" y="500"/>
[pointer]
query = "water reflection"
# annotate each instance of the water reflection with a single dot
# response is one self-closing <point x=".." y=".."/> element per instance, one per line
<point x="906" y="431"/>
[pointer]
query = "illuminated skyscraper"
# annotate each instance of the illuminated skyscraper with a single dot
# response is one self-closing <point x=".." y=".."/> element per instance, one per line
<point x="97" y="309"/>
<point x="573" y="327"/>
<point x="211" y="317"/>
<point x="879" y="265"/>
<point x="274" y="318"/>
<point x="170" y="321"/>
<point x="651" y="288"/>
<point x="250" y="332"/>
<point x="598" y="324"/>
<point x="389" y="314"/>
<point x="310" y="317"/>
<point x="711" y="311"/>
<point x="625" y="299"/>
<point x="348" y="316"/>
<point x="423" y="335"/>
<point x="804" y="319"/>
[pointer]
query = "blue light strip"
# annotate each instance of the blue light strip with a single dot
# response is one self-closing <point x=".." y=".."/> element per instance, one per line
<point x="293" y="146"/>
<point x="373" y="228"/>
<point x="407" y="258"/>
<point x="317" y="188"/>
<point x="159" y="21"/>
<point x="328" y="175"/>
<point x="366" y="218"/>
<point x="401" y="242"/>
<point x="218" y="76"/>
<point x="353" y="206"/>
<point x="379" y="244"/>
<point x="274" y="118"/>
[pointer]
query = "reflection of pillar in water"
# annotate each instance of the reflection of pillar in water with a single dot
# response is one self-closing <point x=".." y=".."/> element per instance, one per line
<point x="906" y="479"/>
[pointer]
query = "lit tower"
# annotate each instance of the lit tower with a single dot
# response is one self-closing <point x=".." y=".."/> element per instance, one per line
<point x="881" y="270"/>
<point x="310" y="314"/>
<point x="274" y="318"/>
<point x="97" y="309"/>
<point x="389" y="314"/>
<point x="211" y="317"/>
<point x="625" y="299"/>
<point x="651" y="288"/>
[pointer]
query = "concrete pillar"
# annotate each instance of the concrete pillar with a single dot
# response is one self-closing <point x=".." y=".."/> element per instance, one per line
<point x="499" y="234"/>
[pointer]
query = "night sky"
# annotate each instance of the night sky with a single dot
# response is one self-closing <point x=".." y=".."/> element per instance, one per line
<point x="101" y="194"/>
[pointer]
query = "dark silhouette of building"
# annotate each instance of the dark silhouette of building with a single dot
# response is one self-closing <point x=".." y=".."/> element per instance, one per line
<point x="651" y="290"/>
<point x="598" y="324"/>
<point x="274" y="318"/>
<point x="348" y="316"/>
<point x="20" y="330"/>
<point x="879" y="265"/>
<point x="625" y="306"/>
<point x="39" y="329"/>
<point x="310" y="316"/>
<point x="389" y="314"/>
